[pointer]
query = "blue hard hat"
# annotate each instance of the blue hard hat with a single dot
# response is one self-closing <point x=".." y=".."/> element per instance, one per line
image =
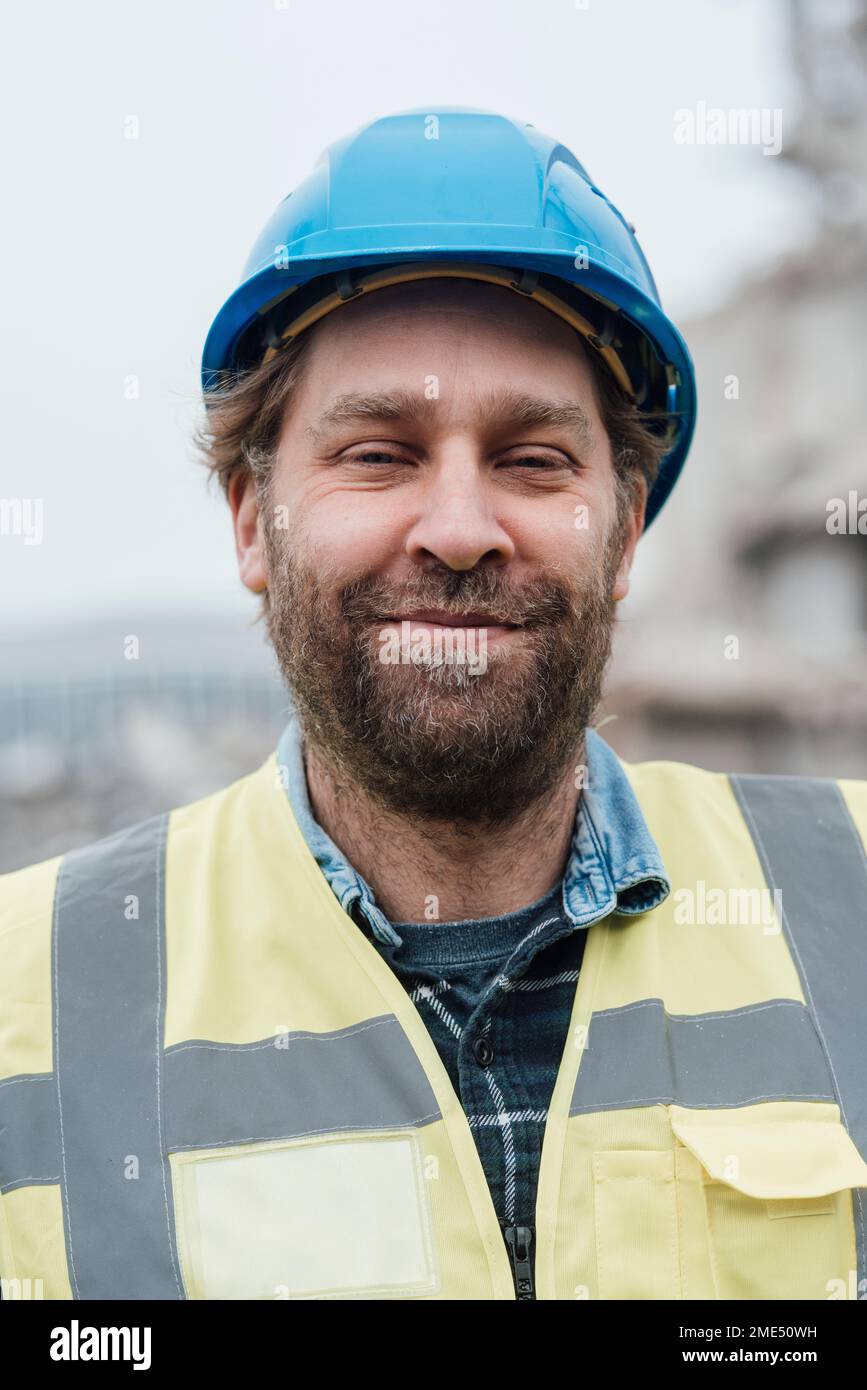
<point x="461" y="192"/>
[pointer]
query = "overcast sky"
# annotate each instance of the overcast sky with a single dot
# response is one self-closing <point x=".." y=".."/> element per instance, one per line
<point x="120" y="252"/>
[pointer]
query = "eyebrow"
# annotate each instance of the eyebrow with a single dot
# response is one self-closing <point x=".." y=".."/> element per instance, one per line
<point x="506" y="407"/>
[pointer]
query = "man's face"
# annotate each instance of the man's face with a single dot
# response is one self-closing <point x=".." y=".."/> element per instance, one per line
<point x="441" y="548"/>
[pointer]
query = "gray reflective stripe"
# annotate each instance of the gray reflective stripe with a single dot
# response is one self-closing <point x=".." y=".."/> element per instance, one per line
<point x="109" y="999"/>
<point x="811" y="851"/>
<point x="641" y="1055"/>
<point x="363" y="1077"/>
<point x="118" y="1098"/>
<point x="29" y="1131"/>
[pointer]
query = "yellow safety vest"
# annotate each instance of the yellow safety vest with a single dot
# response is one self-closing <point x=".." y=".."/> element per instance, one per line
<point x="212" y="1086"/>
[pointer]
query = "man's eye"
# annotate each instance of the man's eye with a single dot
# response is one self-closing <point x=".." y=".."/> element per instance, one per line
<point x="535" y="461"/>
<point x="372" y="456"/>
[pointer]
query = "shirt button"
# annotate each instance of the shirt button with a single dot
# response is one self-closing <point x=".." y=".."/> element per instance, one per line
<point x="483" y="1052"/>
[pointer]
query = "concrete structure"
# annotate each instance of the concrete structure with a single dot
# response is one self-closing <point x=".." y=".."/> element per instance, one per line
<point x="746" y="645"/>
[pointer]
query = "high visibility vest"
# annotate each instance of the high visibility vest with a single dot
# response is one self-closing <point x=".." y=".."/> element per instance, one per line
<point x="212" y="1086"/>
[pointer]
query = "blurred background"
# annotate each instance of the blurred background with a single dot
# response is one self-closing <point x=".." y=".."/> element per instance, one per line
<point x="145" y="148"/>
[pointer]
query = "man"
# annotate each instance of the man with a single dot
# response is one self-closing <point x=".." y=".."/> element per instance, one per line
<point x="445" y="1001"/>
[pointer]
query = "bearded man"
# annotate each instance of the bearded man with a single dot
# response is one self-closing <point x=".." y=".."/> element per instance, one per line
<point x="410" y="1012"/>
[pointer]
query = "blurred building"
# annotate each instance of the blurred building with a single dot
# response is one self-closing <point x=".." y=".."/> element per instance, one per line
<point x="746" y="646"/>
<point x="98" y="731"/>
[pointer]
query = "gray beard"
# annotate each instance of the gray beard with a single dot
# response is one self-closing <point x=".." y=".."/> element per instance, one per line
<point x="433" y="740"/>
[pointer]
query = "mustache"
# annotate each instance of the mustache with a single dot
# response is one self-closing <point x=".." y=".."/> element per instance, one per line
<point x="536" y="603"/>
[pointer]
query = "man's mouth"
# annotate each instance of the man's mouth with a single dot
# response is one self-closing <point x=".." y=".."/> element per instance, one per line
<point x="437" y="617"/>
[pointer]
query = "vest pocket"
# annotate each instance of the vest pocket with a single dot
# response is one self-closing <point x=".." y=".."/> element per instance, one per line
<point x="777" y="1182"/>
<point x="347" y="1216"/>
<point x="637" y="1245"/>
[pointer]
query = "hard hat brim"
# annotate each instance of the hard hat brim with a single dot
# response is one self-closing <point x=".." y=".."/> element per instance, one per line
<point x="279" y="302"/>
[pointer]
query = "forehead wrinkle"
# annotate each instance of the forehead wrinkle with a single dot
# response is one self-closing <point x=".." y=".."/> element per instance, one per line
<point x="501" y="405"/>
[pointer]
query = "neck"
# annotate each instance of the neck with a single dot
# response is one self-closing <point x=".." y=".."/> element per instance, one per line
<point x="441" y="871"/>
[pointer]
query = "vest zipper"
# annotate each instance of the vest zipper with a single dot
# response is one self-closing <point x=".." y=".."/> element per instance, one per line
<point x="519" y="1240"/>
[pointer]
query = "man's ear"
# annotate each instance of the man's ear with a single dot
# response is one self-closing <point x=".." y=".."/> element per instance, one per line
<point x="249" y="548"/>
<point x="633" y="529"/>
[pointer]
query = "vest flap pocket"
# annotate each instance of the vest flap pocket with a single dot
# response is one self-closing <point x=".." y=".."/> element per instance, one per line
<point x="772" y="1151"/>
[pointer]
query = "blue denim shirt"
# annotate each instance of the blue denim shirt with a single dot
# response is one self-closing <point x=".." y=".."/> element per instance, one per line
<point x="613" y="866"/>
<point x="496" y="993"/>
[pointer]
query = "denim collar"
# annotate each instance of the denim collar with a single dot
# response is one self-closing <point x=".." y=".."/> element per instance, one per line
<point x="613" y="866"/>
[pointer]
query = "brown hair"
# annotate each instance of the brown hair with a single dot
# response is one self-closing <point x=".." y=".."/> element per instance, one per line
<point x="244" y="420"/>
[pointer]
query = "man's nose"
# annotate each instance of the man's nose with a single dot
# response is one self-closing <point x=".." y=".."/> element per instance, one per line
<point x="456" y="523"/>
